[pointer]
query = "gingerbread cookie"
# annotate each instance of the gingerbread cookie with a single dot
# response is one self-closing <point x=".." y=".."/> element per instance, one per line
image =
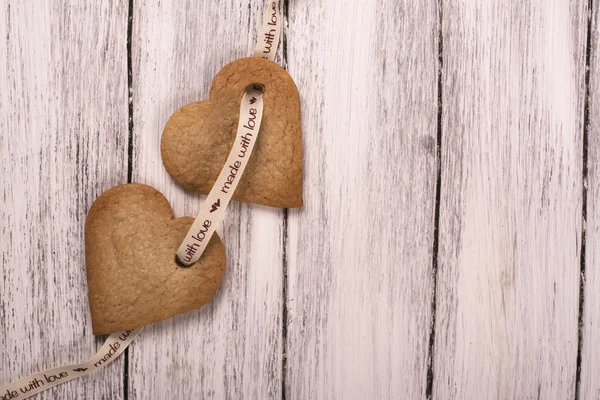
<point x="133" y="278"/>
<point x="198" y="137"/>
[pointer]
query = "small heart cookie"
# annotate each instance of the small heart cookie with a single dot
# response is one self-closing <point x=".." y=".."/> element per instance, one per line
<point x="133" y="279"/>
<point x="198" y="137"/>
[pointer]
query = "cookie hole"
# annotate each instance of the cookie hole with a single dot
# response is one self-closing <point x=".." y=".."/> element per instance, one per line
<point x="180" y="264"/>
<point x="255" y="86"/>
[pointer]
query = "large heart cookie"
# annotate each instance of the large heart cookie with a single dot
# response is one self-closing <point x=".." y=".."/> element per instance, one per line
<point x="198" y="137"/>
<point x="133" y="278"/>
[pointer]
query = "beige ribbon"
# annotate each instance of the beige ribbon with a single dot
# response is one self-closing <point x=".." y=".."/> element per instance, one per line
<point x="203" y="228"/>
<point x="34" y="384"/>
<point x="269" y="32"/>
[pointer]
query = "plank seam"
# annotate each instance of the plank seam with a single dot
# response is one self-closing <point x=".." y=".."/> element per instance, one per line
<point x="436" y="229"/>
<point x="130" y="93"/>
<point x="284" y="311"/>
<point x="129" y="156"/>
<point x="585" y="169"/>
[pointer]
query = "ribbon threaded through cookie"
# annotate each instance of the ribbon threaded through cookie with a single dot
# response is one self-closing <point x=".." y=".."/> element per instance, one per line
<point x="252" y="106"/>
<point x="218" y="199"/>
<point x="214" y="206"/>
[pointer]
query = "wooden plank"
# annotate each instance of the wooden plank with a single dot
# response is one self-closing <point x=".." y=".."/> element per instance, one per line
<point x="590" y="352"/>
<point x="511" y="199"/>
<point x="360" y="278"/>
<point x="63" y="124"/>
<point x="230" y="349"/>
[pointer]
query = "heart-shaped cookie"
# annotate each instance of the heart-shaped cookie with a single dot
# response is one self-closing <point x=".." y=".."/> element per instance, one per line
<point x="198" y="137"/>
<point x="133" y="278"/>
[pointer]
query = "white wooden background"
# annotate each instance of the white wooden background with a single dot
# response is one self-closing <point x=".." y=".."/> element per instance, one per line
<point x="448" y="247"/>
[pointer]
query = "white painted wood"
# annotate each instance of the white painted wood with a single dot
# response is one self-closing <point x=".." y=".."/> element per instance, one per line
<point x="590" y="360"/>
<point x="230" y="349"/>
<point x="360" y="252"/>
<point x="359" y="255"/>
<point x="63" y="140"/>
<point x="511" y="199"/>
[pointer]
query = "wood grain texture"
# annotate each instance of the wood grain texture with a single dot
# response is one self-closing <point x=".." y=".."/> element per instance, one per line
<point x="63" y="140"/>
<point x="360" y="252"/>
<point x="357" y="259"/>
<point x="510" y="228"/>
<point x="231" y="348"/>
<point x="590" y="352"/>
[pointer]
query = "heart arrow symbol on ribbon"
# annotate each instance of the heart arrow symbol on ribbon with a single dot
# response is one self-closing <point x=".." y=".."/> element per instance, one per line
<point x="215" y="206"/>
